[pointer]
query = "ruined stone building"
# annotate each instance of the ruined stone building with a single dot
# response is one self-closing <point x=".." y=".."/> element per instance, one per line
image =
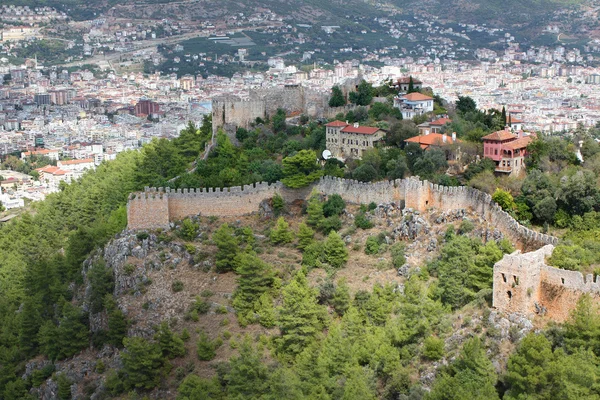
<point x="524" y="284"/>
<point x="232" y="112"/>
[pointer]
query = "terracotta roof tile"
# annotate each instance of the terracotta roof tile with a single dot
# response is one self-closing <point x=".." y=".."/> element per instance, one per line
<point x="363" y="130"/>
<point x="500" y="135"/>
<point x="336" y="124"/>
<point x="432" y="138"/>
<point x="416" y="97"/>
<point x="440" y="121"/>
<point x="520" y="143"/>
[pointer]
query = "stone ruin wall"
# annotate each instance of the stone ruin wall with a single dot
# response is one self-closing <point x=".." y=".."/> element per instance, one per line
<point x="173" y="205"/>
<point x="534" y="287"/>
<point x="232" y="112"/>
<point x="524" y="284"/>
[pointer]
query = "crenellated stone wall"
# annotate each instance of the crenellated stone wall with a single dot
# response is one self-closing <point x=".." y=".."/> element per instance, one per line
<point x="524" y="284"/>
<point x="155" y="208"/>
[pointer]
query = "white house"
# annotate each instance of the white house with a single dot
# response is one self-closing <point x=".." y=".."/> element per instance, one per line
<point x="413" y="104"/>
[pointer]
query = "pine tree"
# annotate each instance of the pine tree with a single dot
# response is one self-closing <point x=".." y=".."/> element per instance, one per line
<point x="314" y="211"/>
<point x="255" y="278"/>
<point x="101" y="282"/>
<point x="248" y="376"/>
<point x="300" y="317"/>
<point x="72" y="333"/>
<point x="341" y="297"/>
<point x="360" y="384"/>
<point x="265" y="310"/>
<point x="48" y="340"/>
<point x="281" y="234"/>
<point x="30" y="325"/>
<point x="143" y="363"/>
<point x="305" y="236"/>
<point x="64" y="387"/>
<point x="117" y="323"/>
<point x="205" y="347"/>
<point x="337" y="97"/>
<point x="228" y="248"/>
<point x="335" y="252"/>
<point x="171" y="345"/>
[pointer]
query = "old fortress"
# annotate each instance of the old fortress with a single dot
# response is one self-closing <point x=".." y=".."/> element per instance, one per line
<point x="523" y="283"/>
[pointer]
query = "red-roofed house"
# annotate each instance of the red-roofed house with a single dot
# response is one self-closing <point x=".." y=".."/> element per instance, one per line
<point x="350" y="140"/>
<point x="440" y="141"/>
<point x="52" y="175"/>
<point x="77" y="165"/>
<point x="50" y="153"/>
<point x="413" y="104"/>
<point x="507" y="149"/>
<point x="433" y="126"/>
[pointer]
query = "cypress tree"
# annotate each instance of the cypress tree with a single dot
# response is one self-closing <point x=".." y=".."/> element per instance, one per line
<point x="411" y="85"/>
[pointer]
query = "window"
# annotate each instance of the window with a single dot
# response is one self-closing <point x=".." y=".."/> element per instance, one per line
<point x="504" y="278"/>
<point x="515" y="279"/>
<point x="509" y="293"/>
<point x="495" y="152"/>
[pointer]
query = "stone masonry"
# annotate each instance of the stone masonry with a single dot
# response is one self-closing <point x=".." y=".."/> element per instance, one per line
<point x="524" y="284"/>
<point x="155" y="208"/>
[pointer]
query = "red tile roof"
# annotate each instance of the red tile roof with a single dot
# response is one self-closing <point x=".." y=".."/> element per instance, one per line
<point x="417" y="97"/>
<point x="500" y="136"/>
<point x="363" y="130"/>
<point x="336" y="124"/>
<point x="520" y="143"/>
<point x="431" y="139"/>
<point x="72" y="162"/>
<point x="440" y="121"/>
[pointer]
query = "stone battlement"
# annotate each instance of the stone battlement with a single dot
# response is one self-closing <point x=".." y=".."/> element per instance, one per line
<point x="524" y="284"/>
<point x="156" y="207"/>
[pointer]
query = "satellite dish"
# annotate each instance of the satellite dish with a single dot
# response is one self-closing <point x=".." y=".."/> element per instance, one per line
<point x="326" y="154"/>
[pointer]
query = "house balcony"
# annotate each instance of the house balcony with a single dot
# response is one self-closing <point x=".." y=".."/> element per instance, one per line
<point x="506" y="170"/>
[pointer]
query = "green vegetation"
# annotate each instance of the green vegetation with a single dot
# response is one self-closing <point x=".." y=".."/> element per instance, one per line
<point x="324" y="333"/>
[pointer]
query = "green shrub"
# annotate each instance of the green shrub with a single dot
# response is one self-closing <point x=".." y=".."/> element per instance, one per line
<point x="185" y="335"/>
<point x="333" y="223"/>
<point x="129" y="269"/>
<point x="466" y="226"/>
<point x="334" y="205"/>
<point x="189" y="229"/>
<point x="362" y="222"/>
<point x="142" y="235"/>
<point x="278" y="204"/>
<point x="221" y="310"/>
<point x="397" y="251"/>
<point x="372" y="245"/>
<point x="190" y="248"/>
<point x="100" y="367"/>
<point x="177" y="286"/>
<point x="206" y="348"/>
<point x="433" y="348"/>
